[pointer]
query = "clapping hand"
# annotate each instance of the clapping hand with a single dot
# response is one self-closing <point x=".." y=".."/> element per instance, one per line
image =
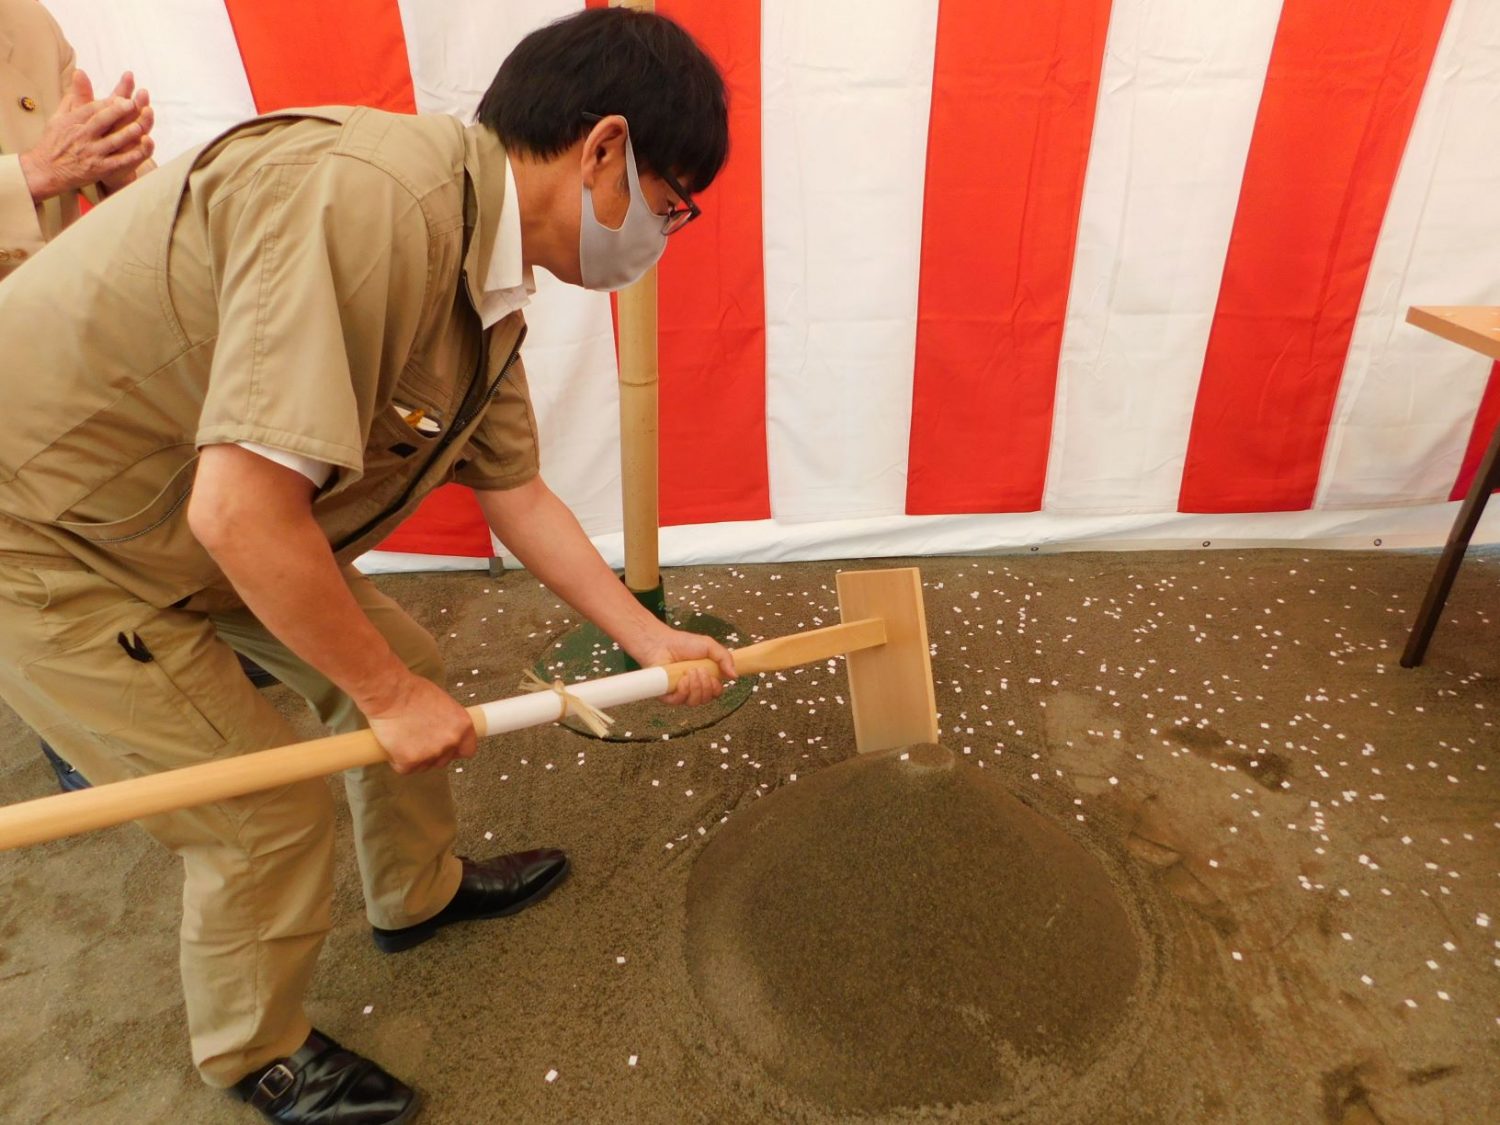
<point x="104" y="141"/>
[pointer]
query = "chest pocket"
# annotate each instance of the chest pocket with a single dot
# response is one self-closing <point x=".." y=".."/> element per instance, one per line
<point x="401" y="439"/>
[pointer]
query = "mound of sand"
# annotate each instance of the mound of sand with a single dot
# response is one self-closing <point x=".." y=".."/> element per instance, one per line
<point x="898" y="930"/>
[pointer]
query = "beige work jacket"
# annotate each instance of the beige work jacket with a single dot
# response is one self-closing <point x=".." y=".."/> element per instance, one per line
<point x="36" y="65"/>
<point x="308" y="281"/>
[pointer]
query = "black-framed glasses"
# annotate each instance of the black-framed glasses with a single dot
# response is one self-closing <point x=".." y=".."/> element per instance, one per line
<point x="678" y="217"/>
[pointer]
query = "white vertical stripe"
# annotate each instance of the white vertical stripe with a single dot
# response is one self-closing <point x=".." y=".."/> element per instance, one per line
<point x="1406" y="404"/>
<point x="846" y="91"/>
<point x="454" y="50"/>
<point x="1179" y="91"/>
<point x="455" y="47"/>
<point x="570" y="364"/>
<point x="183" y="51"/>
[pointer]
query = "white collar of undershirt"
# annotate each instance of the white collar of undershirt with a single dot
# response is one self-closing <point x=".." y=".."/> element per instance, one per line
<point x="508" y="284"/>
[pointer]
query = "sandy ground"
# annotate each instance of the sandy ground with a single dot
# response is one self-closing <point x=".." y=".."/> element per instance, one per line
<point x="1306" y="832"/>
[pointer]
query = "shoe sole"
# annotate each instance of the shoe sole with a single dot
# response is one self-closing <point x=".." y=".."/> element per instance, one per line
<point x="402" y="940"/>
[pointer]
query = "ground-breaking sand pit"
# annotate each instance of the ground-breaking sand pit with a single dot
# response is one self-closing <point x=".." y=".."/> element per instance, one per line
<point x="899" y="930"/>
<point x="1313" y="879"/>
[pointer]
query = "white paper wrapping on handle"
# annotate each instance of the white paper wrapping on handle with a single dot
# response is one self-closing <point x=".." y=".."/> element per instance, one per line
<point x="540" y="707"/>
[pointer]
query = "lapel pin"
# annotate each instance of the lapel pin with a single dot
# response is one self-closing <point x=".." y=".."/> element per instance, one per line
<point x="27" y="103"/>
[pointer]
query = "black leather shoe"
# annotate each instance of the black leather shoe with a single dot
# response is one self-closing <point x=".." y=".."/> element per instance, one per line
<point x="69" y="780"/>
<point x="491" y="888"/>
<point x="324" y="1084"/>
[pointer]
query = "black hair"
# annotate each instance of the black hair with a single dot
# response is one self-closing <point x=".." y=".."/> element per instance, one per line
<point x="637" y="64"/>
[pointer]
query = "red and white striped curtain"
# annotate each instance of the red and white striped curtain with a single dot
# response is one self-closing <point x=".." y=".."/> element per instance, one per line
<point x="982" y="275"/>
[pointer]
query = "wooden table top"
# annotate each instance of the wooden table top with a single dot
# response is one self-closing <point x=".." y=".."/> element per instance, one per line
<point x="1473" y="326"/>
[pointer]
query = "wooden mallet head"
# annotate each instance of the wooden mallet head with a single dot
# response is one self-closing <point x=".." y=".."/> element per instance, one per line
<point x="883" y="633"/>
<point x="890" y="686"/>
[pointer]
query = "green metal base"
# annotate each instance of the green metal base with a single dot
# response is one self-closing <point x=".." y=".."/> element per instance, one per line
<point x="587" y="653"/>
<point x="655" y="600"/>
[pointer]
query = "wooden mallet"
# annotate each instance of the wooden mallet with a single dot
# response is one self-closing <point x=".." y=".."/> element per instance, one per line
<point x="883" y="632"/>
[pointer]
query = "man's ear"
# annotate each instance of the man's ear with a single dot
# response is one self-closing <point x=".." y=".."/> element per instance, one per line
<point x="604" y="149"/>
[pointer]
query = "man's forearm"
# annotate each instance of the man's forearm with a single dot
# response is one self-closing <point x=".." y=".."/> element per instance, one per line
<point x="289" y="580"/>
<point x="255" y="519"/>
<point x="545" y="536"/>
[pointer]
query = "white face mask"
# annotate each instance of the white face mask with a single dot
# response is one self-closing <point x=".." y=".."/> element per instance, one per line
<point x="612" y="259"/>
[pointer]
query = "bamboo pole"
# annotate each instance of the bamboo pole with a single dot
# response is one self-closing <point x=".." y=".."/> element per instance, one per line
<point x="639" y="474"/>
<point x="638" y="433"/>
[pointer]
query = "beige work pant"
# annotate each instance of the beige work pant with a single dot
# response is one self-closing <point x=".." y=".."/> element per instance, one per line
<point x="259" y="869"/>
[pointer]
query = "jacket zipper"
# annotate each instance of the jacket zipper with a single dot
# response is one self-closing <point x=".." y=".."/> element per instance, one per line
<point x="459" y="424"/>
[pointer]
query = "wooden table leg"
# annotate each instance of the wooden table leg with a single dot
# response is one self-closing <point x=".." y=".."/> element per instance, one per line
<point x="1485" y="482"/>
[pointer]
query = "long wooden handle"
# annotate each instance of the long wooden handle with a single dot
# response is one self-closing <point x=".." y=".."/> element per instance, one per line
<point x="780" y="653"/>
<point x="67" y="814"/>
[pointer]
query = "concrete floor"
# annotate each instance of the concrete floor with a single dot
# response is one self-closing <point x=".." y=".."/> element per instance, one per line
<point x="1308" y="832"/>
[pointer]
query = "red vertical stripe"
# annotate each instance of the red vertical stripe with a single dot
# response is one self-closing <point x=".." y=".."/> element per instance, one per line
<point x="1485" y="422"/>
<point x="1341" y="90"/>
<point x="333" y="52"/>
<point x="712" y="312"/>
<point x="1013" y="96"/>
<point x="448" y="523"/>
<point x="350" y="52"/>
<point x="712" y="303"/>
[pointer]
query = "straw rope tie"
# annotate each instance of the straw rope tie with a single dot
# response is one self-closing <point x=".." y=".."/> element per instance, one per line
<point x="569" y="704"/>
